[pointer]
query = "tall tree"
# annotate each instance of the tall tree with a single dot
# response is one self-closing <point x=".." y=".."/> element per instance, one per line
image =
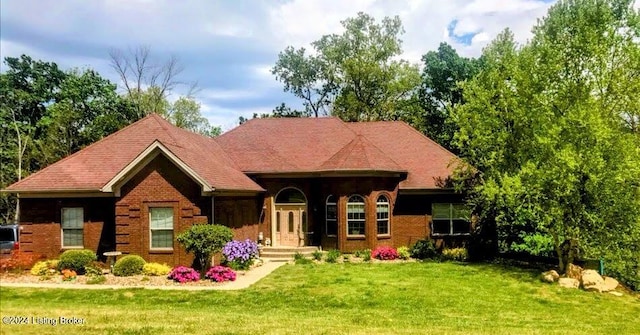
<point x="138" y="72"/>
<point x="356" y="75"/>
<point x="440" y="92"/>
<point x="185" y="113"/>
<point x="547" y="124"/>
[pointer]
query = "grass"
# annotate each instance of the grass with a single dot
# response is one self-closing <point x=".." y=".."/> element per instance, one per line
<point x="406" y="298"/>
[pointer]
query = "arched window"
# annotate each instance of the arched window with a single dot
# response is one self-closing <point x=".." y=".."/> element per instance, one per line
<point x="355" y="216"/>
<point x="382" y="215"/>
<point x="290" y="196"/>
<point x="331" y="216"/>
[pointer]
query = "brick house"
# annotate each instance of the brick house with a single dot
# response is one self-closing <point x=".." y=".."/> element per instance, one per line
<point x="290" y="181"/>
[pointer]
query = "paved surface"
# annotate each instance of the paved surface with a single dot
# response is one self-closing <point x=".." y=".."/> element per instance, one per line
<point x="241" y="282"/>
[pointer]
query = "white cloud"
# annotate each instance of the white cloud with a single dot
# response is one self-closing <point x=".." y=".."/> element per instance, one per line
<point x="224" y="94"/>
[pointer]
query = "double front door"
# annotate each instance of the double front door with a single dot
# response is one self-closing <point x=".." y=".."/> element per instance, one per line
<point x="291" y="224"/>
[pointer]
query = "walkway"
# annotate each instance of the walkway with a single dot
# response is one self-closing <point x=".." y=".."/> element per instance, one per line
<point x="241" y="282"/>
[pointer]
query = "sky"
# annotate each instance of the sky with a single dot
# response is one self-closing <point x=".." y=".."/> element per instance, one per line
<point x="228" y="47"/>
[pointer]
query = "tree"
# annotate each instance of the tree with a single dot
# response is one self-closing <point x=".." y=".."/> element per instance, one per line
<point x="440" y="92"/>
<point x="355" y="75"/>
<point x="139" y="72"/>
<point x="204" y="240"/>
<point x="546" y="124"/>
<point x="185" y="113"/>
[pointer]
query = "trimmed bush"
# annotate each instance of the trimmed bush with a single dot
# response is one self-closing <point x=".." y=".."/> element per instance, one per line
<point x="76" y="260"/>
<point x="204" y="240"/>
<point x="156" y="269"/>
<point x="183" y="274"/>
<point x="93" y="280"/>
<point x="366" y="255"/>
<point x="424" y="249"/>
<point x="403" y="253"/>
<point x="44" y="268"/>
<point x="385" y="253"/>
<point x="455" y="254"/>
<point x="128" y="266"/>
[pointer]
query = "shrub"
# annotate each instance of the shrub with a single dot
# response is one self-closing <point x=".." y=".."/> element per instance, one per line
<point x="93" y="269"/>
<point x="76" y="260"/>
<point x="239" y="255"/>
<point x="128" y="266"/>
<point x="44" y="268"/>
<point x="68" y="275"/>
<point x="220" y="274"/>
<point x="424" y="249"/>
<point x="18" y="261"/>
<point x="183" y="274"/>
<point x="100" y="279"/>
<point x="333" y="255"/>
<point x="385" y="253"/>
<point x="403" y="253"/>
<point x="358" y="253"/>
<point x="203" y="240"/>
<point x="317" y="255"/>
<point x="156" y="269"/>
<point x="455" y="254"/>
<point x="366" y="255"/>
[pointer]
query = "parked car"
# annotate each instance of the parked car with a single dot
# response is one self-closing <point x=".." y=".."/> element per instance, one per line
<point x="9" y="238"/>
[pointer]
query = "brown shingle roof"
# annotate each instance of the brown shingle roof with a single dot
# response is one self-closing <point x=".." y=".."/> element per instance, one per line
<point x="95" y="165"/>
<point x="321" y="144"/>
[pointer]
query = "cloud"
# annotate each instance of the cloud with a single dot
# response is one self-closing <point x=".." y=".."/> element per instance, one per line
<point x="229" y="47"/>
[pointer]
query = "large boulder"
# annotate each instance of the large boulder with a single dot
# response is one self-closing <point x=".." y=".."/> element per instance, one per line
<point x="549" y="276"/>
<point x="568" y="283"/>
<point x="592" y="281"/>
<point x="574" y="271"/>
<point x="610" y="284"/>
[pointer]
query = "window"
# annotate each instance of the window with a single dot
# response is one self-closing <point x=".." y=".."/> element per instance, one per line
<point x="291" y="222"/>
<point x="382" y="215"/>
<point x="72" y="227"/>
<point x="355" y="216"/>
<point x="161" y="227"/>
<point x="451" y="219"/>
<point x="277" y="222"/>
<point x="332" y="216"/>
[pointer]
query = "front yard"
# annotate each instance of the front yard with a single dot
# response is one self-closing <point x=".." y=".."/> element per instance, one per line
<point x="400" y="298"/>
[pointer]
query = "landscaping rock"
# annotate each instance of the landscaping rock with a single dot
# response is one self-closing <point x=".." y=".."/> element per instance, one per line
<point x="592" y="281"/>
<point x="549" y="276"/>
<point x="617" y="294"/>
<point x="574" y="271"/>
<point x="610" y="284"/>
<point x="568" y="283"/>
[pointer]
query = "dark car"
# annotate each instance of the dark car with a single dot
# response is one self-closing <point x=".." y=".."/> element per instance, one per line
<point x="9" y="238"/>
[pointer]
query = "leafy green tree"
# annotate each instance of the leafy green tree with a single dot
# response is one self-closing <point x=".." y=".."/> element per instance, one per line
<point x="440" y="92"/>
<point x="355" y="75"/>
<point x="185" y="113"/>
<point x="547" y="126"/>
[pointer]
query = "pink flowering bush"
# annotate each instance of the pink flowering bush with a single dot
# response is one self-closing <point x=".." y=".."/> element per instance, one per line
<point x="385" y="253"/>
<point x="220" y="274"/>
<point x="183" y="274"/>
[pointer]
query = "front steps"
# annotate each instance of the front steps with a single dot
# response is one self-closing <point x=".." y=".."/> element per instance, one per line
<point x="285" y="254"/>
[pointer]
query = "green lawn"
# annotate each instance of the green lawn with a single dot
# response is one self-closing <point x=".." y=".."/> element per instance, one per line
<point x="409" y="298"/>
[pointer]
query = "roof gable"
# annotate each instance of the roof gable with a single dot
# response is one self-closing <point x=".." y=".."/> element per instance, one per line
<point x="360" y="155"/>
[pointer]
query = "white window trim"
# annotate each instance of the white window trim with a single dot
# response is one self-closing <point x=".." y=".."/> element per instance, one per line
<point x="388" y="219"/>
<point x="326" y="220"/>
<point x="364" y="221"/>
<point x="151" y="230"/>
<point x="62" y="229"/>
<point x="450" y="218"/>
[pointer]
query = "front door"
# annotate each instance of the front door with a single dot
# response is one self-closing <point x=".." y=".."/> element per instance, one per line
<point x="291" y="224"/>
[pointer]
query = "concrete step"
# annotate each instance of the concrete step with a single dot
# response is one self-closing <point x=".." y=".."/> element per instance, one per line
<point x="284" y="254"/>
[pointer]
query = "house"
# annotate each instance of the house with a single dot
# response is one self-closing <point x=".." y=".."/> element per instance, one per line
<point x="286" y="181"/>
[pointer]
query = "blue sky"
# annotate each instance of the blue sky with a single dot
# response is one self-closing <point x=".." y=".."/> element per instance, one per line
<point x="228" y="47"/>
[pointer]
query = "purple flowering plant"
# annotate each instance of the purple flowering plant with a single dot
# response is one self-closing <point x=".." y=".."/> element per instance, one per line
<point x="183" y="274"/>
<point x="220" y="274"/>
<point x="239" y="255"/>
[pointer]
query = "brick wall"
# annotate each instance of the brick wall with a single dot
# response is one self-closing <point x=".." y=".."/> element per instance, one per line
<point x="159" y="184"/>
<point x="41" y="232"/>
